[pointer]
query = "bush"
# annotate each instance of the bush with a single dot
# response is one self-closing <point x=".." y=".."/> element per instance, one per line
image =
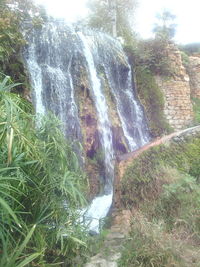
<point x="41" y="184"/>
<point x="152" y="55"/>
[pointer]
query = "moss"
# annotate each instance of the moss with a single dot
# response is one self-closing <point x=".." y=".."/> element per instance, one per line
<point x="138" y="182"/>
<point x="196" y="109"/>
<point x="153" y="101"/>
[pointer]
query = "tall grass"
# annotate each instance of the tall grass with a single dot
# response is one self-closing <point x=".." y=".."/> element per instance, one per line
<point x="41" y="185"/>
<point x="162" y="189"/>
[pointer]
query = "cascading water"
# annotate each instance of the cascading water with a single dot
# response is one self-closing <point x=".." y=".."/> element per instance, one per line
<point x="102" y="110"/>
<point x="51" y="55"/>
<point x="36" y="79"/>
<point x="48" y="58"/>
<point x="110" y="55"/>
<point x="100" y="205"/>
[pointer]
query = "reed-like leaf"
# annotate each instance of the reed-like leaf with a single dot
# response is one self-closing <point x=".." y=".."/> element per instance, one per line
<point x="7" y="208"/>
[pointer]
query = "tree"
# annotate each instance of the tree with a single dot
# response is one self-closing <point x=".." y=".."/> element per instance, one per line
<point x="13" y="13"/>
<point x="165" y="29"/>
<point x="112" y="16"/>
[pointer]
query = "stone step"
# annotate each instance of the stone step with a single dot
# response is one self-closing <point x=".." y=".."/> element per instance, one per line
<point x="101" y="262"/>
<point x="115" y="235"/>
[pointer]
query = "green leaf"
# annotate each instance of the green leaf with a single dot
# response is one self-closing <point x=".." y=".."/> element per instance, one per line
<point x="9" y="210"/>
<point x="19" y="249"/>
<point x="28" y="259"/>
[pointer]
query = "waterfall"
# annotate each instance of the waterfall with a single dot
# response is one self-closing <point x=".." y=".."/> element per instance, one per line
<point x="110" y="56"/>
<point x="36" y="79"/>
<point x="48" y="58"/>
<point x="54" y="56"/>
<point x="102" y="111"/>
<point x="100" y="205"/>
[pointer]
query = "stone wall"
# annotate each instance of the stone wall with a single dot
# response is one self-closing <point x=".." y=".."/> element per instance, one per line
<point x="194" y="73"/>
<point x="176" y="90"/>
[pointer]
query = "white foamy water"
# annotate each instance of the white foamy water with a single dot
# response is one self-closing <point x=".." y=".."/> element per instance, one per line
<point x="92" y="216"/>
<point x="36" y="78"/>
<point x="100" y="205"/>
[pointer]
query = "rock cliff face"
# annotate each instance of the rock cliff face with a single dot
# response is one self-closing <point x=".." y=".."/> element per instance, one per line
<point x="194" y="74"/>
<point x="177" y="92"/>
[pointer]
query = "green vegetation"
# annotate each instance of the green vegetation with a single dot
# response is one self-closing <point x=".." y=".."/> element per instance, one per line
<point x="152" y="99"/>
<point x="185" y="59"/>
<point x="148" y="246"/>
<point x="40" y="188"/>
<point x="141" y="176"/>
<point x="190" y="49"/>
<point x="162" y="184"/>
<point x="152" y="54"/>
<point x="150" y="58"/>
<point x="11" y="39"/>
<point x="196" y="109"/>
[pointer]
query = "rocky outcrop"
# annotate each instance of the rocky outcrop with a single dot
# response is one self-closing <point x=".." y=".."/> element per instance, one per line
<point x="176" y="89"/>
<point x="194" y="74"/>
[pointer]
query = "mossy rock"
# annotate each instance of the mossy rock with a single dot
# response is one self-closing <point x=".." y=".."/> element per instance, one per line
<point x="153" y="101"/>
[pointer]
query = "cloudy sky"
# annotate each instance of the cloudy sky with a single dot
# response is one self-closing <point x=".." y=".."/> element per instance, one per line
<point x="187" y="13"/>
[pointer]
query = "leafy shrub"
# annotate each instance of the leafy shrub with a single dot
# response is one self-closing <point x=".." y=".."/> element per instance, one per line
<point x="13" y="14"/>
<point x="41" y="184"/>
<point x="152" y="55"/>
<point x="162" y="187"/>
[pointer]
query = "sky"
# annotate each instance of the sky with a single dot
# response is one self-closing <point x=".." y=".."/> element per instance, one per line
<point x="187" y="15"/>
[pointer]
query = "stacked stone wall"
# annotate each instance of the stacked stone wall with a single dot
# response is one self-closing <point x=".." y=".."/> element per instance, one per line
<point x="177" y="93"/>
<point x="194" y="74"/>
